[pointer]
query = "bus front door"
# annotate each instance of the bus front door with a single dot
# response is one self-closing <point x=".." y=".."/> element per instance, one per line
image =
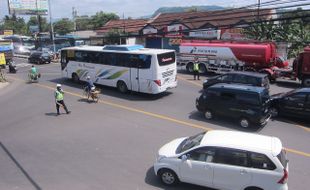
<point x="134" y="79"/>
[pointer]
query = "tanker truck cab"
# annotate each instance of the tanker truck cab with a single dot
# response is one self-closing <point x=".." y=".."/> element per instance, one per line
<point x="300" y="69"/>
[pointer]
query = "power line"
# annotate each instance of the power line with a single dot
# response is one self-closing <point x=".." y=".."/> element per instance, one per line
<point x="188" y="20"/>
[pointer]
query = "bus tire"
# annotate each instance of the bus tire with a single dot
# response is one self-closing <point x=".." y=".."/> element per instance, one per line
<point x="75" y="78"/>
<point x="122" y="87"/>
<point x="190" y="67"/>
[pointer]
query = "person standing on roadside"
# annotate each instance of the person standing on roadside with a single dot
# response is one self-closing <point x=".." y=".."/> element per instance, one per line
<point x="59" y="99"/>
<point x="196" y="68"/>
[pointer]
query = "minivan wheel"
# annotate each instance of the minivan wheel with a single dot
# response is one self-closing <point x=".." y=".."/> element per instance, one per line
<point x="306" y="82"/>
<point x="168" y="177"/>
<point x="253" y="188"/>
<point x="274" y="112"/>
<point x="244" y="122"/>
<point x="208" y="114"/>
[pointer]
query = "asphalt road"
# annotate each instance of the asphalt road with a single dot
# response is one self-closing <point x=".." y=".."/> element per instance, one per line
<point x="111" y="144"/>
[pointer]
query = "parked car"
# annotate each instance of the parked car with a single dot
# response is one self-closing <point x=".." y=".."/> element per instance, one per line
<point x="248" y="104"/>
<point x="248" y="78"/>
<point x="39" y="57"/>
<point x="294" y="103"/>
<point x="224" y="160"/>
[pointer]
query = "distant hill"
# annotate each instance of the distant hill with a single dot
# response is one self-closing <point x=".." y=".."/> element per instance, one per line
<point x="186" y="9"/>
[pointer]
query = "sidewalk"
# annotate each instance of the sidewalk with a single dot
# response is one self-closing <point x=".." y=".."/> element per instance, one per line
<point x="3" y="84"/>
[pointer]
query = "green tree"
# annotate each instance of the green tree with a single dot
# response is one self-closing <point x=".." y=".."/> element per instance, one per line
<point x="101" y="18"/>
<point x="17" y="24"/>
<point x="293" y="28"/>
<point x="33" y="21"/>
<point x="84" y="23"/>
<point x="63" y="26"/>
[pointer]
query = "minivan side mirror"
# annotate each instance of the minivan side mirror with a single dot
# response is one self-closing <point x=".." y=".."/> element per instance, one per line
<point x="184" y="158"/>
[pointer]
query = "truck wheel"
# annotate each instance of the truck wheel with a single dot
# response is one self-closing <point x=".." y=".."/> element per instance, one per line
<point x="190" y="67"/>
<point x="202" y="68"/>
<point x="306" y="82"/>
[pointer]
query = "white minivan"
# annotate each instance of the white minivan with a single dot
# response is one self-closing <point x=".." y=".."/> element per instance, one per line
<point x="225" y="160"/>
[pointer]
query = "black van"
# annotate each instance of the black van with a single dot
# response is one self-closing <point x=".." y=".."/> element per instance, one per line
<point x="295" y="103"/>
<point x="248" y="104"/>
<point x="238" y="77"/>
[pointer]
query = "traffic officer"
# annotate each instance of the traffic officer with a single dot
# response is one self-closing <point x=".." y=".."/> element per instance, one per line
<point x="196" y="68"/>
<point x="59" y="99"/>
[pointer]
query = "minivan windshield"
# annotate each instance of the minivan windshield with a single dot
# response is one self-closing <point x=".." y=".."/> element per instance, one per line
<point x="190" y="142"/>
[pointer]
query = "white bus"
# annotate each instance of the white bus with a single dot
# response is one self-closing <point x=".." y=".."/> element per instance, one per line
<point x="127" y="67"/>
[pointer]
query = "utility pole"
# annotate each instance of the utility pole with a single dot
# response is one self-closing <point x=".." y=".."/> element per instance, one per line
<point x="258" y="9"/>
<point x="74" y="15"/>
<point x="52" y="26"/>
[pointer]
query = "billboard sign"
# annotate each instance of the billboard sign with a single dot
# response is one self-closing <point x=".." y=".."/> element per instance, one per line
<point x="28" y="7"/>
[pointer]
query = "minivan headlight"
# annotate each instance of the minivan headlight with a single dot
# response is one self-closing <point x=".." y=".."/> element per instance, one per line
<point x="160" y="158"/>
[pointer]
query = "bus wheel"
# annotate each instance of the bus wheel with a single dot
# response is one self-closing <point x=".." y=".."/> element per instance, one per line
<point x="122" y="87"/>
<point x="189" y="67"/>
<point x="75" y="78"/>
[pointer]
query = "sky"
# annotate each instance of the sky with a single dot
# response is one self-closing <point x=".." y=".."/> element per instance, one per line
<point x="130" y="8"/>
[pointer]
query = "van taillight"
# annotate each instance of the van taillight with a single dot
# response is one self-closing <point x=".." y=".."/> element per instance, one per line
<point x="158" y="82"/>
<point x="284" y="179"/>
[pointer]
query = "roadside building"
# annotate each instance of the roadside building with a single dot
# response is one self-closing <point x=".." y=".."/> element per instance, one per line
<point x="168" y="30"/>
<point x="123" y="31"/>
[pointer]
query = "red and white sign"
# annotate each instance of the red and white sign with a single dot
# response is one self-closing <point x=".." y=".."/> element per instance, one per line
<point x="232" y="34"/>
<point x="208" y="34"/>
<point x="176" y="28"/>
<point x="149" y="30"/>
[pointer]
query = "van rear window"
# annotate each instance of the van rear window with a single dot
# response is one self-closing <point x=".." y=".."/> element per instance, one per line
<point x="282" y="158"/>
<point x="166" y="58"/>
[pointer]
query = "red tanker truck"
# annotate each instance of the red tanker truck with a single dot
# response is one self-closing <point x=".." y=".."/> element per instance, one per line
<point x="300" y="70"/>
<point x="222" y="57"/>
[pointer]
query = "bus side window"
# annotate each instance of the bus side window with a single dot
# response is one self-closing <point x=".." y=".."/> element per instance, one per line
<point x="122" y="60"/>
<point x="110" y="59"/>
<point x="102" y="58"/>
<point x="145" y="61"/>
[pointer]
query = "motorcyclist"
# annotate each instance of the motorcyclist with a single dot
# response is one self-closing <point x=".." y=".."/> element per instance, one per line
<point x="33" y="73"/>
<point x="90" y="85"/>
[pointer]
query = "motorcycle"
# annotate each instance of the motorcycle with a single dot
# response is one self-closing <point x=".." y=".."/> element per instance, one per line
<point x="93" y="94"/>
<point x="33" y="77"/>
<point x="12" y="68"/>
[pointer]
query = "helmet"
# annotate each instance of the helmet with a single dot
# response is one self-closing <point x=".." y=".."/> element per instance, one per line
<point x="88" y="77"/>
<point x="58" y="85"/>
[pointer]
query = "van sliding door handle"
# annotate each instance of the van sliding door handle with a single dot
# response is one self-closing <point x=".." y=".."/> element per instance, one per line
<point x="242" y="172"/>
